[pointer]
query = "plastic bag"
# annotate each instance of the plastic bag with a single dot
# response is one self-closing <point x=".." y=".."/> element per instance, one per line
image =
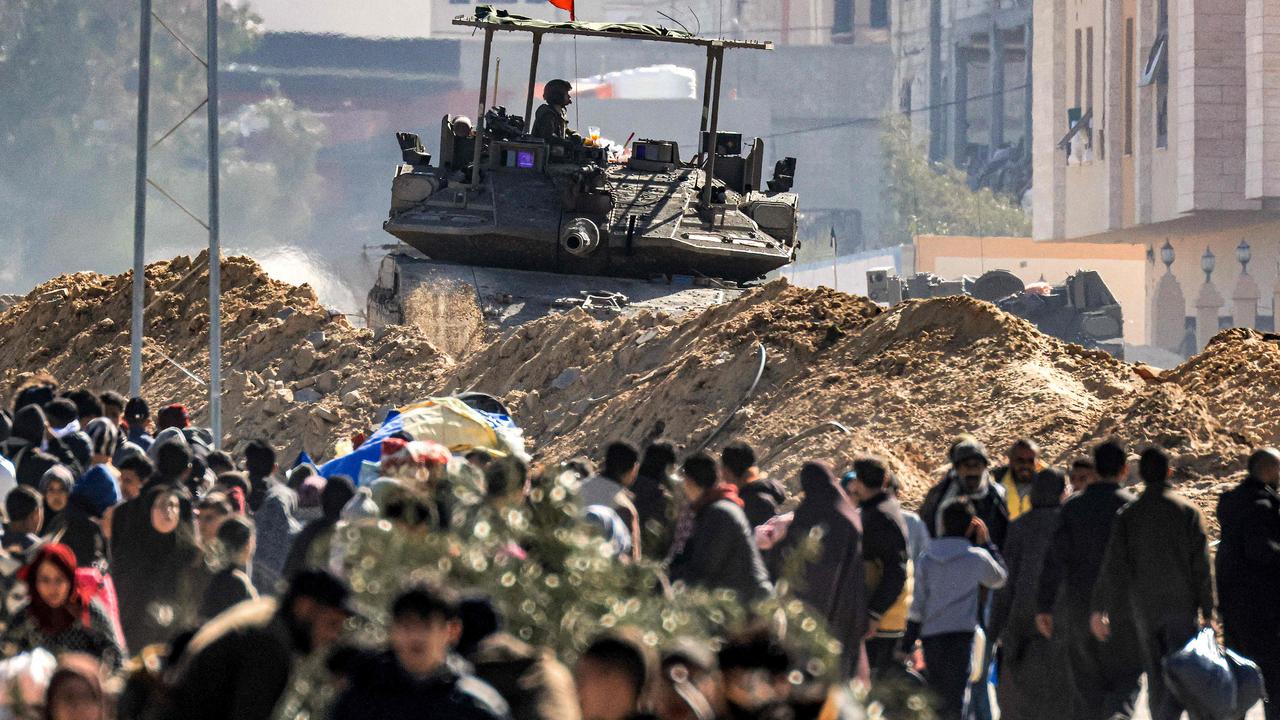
<point x="1250" y="689"/>
<point x="1200" y="677"/>
<point x="23" y="681"/>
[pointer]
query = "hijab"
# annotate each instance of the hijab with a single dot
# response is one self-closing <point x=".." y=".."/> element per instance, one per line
<point x="48" y="619"/>
<point x="61" y="474"/>
<point x="824" y="501"/>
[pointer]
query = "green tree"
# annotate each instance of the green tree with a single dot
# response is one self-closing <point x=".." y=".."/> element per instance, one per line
<point x="68" y="76"/>
<point x="923" y="198"/>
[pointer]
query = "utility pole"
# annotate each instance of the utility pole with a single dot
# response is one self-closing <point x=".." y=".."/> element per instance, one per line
<point x="137" y="328"/>
<point x="995" y="64"/>
<point x="211" y="224"/>
<point x="835" y="260"/>
<point x="215" y="250"/>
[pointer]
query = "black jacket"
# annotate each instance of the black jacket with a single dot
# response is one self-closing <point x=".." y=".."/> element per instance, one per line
<point x="1157" y="562"/>
<point x="721" y="553"/>
<point x="884" y="544"/>
<point x="229" y="586"/>
<point x="989" y="506"/>
<point x="1074" y="556"/>
<point x="238" y="672"/>
<point x="761" y="500"/>
<point x="1248" y="561"/>
<point x="380" y="689"/>
<point x="655" y="504"/>
<point x="1014" y="610"/>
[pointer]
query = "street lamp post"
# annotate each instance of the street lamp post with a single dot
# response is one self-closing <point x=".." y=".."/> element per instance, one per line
<point x="1166" y="255"/>
<point x="1243" y="255"/>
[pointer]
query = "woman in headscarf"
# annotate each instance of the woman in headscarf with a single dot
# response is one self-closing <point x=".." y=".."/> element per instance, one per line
<point x="161" y="578"/>
<point x="832" y="582"/>
<point x="65" y="519"/>
<point x="59" y="617"/>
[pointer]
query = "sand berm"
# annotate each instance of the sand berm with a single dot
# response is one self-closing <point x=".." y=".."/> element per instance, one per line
<point x="841" y="377"/>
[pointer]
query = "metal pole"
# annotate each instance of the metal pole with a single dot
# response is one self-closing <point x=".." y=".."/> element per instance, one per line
<point x="995" y="69"/>
<point x="835" y="261"/>
<point x="140" y="200"/>
<point x="711" y="131"/>
<point x="533" y="79"/>
<point x="215" y="250"/>
<point x="706" y="94"/>
<point x="484" y="90"/>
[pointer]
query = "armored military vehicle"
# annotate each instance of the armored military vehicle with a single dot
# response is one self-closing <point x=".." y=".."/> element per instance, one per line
<point x="1081" y="310"/>
<point x="636" y="223"/>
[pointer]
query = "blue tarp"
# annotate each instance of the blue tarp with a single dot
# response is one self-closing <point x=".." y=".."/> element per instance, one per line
<point x="370" y="451"/>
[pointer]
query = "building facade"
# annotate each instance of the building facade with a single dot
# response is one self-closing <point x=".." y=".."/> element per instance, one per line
<point x="1158" y="122"/>
<point x="964" y="105"/>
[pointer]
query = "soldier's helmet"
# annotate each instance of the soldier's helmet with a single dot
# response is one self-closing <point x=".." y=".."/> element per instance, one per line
<point x="556" y="92"/>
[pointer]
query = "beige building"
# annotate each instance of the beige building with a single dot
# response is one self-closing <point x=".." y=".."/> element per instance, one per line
<point x="1158" y="121"/>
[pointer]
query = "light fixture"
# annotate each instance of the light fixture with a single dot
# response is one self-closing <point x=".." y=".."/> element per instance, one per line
<point x="1243" y="255"/>
<point x="1166" y="254"/>
<point x="1207" y="261"/>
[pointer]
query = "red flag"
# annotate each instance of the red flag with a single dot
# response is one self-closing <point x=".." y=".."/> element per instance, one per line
<point x="566" y="5"/>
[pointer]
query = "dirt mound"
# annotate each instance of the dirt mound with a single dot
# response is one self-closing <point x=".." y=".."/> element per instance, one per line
<point x="902" y="382"/>
<point x="800" y="373"/>
<point x="289" y="367"/>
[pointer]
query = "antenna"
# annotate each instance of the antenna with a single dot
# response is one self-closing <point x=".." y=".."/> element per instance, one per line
<point x="697" y="20"/>
<point x="677" y="22"/>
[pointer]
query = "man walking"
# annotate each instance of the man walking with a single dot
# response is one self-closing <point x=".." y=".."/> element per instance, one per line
<point x="1104" y="679"/>
<point x="1157" y="564"/>
<point x="1019" y="475"/>
<point x="1248" y="565"/>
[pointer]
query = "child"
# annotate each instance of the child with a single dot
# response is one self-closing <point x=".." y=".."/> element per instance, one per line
<point x="944" y="611"/>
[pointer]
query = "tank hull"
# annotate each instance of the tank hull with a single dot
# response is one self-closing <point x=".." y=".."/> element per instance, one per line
<point x="509" y="298"/>
<point x="647" y="226"/>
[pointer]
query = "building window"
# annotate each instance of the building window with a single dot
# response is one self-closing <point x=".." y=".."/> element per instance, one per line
<point x="842" y="21"/>
<point x="879" y="13"/>
<point x="904" y="98"/>
<point x="1162" y="115"/>
<point x="1088" y="72"/>
<point x="1128" y="86"/>
<point x="1079" y="65"/>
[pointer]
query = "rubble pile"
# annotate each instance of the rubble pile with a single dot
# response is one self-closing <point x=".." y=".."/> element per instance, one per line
<point x="292" y="373"/>
<point x="801" y="373"/>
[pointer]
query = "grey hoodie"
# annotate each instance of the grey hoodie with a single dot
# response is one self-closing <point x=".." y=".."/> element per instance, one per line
<point x="947" y="581"/>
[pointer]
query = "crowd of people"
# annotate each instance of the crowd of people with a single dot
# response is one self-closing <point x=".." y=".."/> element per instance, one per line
<point x="149" y="575"/>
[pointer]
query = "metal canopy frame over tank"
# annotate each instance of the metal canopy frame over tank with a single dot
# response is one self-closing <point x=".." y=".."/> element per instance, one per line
<point x="710" y="87"/>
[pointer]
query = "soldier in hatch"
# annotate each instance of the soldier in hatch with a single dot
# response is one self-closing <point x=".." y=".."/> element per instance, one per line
<point x="551" y="121"/>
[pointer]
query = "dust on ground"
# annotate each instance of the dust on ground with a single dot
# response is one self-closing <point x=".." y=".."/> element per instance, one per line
<point x="448" y="315"/>
<point x="840" y="377"/>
